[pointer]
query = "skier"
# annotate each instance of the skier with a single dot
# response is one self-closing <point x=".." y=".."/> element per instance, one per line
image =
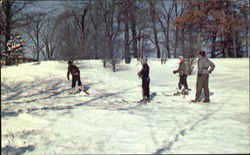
<point x="75" y="72"/>
<point x="205" y="67"/>
<point x="183" y="73"/>
<point x="144" y="75"/>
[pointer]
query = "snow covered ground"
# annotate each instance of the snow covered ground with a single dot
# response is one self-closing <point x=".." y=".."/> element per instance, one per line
<point x="39" y="116"/>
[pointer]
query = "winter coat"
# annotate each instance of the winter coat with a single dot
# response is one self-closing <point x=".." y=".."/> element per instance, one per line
<point x="144" y="73"/>
<point x="204" y="64"/>
<point x="73" y="70"/>
<point x="183" y="68"/>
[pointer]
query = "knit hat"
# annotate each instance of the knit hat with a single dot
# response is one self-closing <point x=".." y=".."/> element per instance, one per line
<point x="69" y="62"/>
<point x="202" y="53"/>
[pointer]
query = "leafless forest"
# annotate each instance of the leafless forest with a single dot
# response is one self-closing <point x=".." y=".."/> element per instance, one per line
<point x="114" y="30"/>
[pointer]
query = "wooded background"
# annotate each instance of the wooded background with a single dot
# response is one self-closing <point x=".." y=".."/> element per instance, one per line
<point x="125" y="29"/>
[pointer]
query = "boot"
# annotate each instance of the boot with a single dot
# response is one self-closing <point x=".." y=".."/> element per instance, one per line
<point x="207" y="100"/>
<point x="195" y="100"/>
<point x="80" y="87"/>
<point x="143" y="99"/>
<point x="177" y="93"/>
<point x="184" y="92"/>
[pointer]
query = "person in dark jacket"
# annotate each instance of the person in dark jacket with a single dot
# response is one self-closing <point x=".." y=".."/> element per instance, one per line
<point x="183" y="71"/>
<point x="144" y="75"/>
<point x="205" y="67"/>
<point x="75" y="72"/>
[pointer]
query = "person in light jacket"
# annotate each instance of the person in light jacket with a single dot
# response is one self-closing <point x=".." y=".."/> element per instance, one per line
<point x="183" y="71"/>
<point x="205" y="67"/>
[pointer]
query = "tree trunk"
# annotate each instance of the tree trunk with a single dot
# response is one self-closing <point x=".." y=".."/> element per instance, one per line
<point x="133" y="29"/>
<point x="38" y="45"/>
<point x="213" y="46"/>
<point x="139" y="45"/>
<point x="166" y="34"/>
<point x="191" y="44"/>
<point x="83" y="28"/>
<point x="153" y="16"/>
<point x="113" y="65"/>
<point x="182" y="41"/>
<point x="168" y="48"/>
<point x="234" y="43"/>
<point x="198" y="43"/>
<point x="96" y="46"/>
<point x="226" y="52"/>
<point x="126" y="34"/>
<point x="247" y="40"/>
<point x="176" y="43"/>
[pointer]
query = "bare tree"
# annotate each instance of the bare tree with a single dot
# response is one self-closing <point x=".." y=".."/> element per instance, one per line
<point x="50" y="40"/>
<point x="153" y="18"/>
<point x="124" y="9"/>
<point x="82" y="25"/>
<point x="34" y="31"/>
<point x="96" y="19"/>
<point x="112" y="29"/>
<point x="166" y="16"/>
<point x="133" y="21"/>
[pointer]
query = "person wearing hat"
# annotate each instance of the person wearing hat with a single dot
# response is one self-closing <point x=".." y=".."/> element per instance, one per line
<point x="205" y="67"/>
<point x="183" y="71"/>
<point x="75" y="72"/>
<point x="144" y="75"/>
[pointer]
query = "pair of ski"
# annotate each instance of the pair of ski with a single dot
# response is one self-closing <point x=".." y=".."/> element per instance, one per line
<point x="190" y="102"/>
<point x="152" y="95"/>
<point x="143" y="101"/>
<point x="176" y="94"/>
<point x="202" y="97"/>
<point x="140" y="101"/>
<point x="78" y="91"/>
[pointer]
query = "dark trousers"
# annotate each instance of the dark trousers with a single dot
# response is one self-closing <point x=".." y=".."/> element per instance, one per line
<point x="145" y="87"/>
<point x="202" y="83"/>
<point x="183" y="81"/>
<point x="74" y="79"/>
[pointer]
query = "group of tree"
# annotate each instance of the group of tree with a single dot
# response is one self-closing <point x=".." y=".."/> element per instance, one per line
<point x="113" y="30"/>
<point x="222" y="24"/>
<point x="20" y="20"/>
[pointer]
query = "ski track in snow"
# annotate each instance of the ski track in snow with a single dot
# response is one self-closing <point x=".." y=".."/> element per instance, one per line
<point x="161" y="126"/>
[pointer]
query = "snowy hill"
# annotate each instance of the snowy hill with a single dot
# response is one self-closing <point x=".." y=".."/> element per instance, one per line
<point x="39" y="116"/>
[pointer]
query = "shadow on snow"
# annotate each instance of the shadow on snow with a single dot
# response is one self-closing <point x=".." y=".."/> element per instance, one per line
<point x="21" y="150"/>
